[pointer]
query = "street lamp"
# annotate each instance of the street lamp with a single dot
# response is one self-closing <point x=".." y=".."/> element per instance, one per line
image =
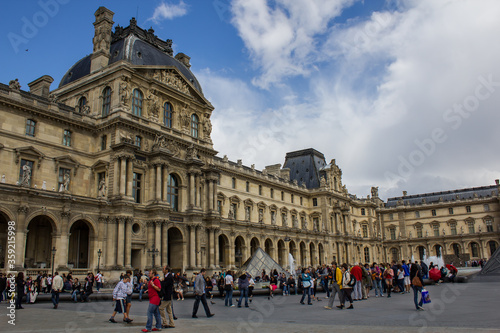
<point x="99" y="254"/>
<point x="154" y="252"/>
<point x="53" y="259"/>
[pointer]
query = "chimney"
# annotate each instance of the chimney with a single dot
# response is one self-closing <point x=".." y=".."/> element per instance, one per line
<point x="41" y="86"/>
<point x="184" y="59"/>
<point x="102" y="38"/>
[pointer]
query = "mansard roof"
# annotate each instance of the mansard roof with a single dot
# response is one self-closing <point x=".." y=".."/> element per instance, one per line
<point x="445" y="196"/>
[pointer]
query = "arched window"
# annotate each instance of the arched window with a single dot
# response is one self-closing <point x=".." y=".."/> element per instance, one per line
<point x="474" y="250"/>
<point x="167" y="115"/>
<point x="106" y="101"/>
<point x="194" y="126"/>
<point x="365" y="231"/>
<point x="137" y="103"/>
<point x="81" y="104"/>
<point x="456" y="250"/>
<point x="173" y="192"/>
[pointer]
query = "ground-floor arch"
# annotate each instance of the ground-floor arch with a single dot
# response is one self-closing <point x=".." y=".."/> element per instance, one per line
<point x="254" y="245"/>
<point x="282" y="256"/>
<point x="80" y="247"/>
<point x="223" y="251"/>
<point x="175" y="249"/>
<point x="239" y="251"/>
<point x="39" y="243"/>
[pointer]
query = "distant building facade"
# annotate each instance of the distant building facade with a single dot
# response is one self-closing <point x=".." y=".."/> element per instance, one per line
<point x="116" y="169"/>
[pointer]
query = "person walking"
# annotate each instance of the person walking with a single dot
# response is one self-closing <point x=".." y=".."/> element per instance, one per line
<point x="120" y="298"/>
<point x="417" y="285"/>
<point x="336" y="286"/>
<point x="357" y="272"/>
<point x="20" y="284"/>
<point x="57" y="286"/>
<point x="199" y="293"/>
<point x="154" y="286"/>
<point x="243" y="283"/>
<point x="228" y="287"/>
<point x="306" y="286"/>
<point x="388" y="276"/>
<point x="167" y="289"/>
<point x="347" y="283"/>
<point x="130" y="290"/>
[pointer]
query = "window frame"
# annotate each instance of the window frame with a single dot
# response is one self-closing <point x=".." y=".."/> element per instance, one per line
<point x="167" y="114"/>
<point x="66" y="141"/>
<point x="195" y="126"/>
<point x="106" y="101"/>
<point x="30" y="127"/>
<point x="137" y="101"/>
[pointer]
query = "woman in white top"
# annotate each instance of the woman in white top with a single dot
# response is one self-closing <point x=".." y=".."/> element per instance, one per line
<point x="347" y="285"/>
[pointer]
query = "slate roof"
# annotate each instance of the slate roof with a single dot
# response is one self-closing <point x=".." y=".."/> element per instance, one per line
<point x="137" y="46"/>
<point x="462" y="194"/>
<point x="305" y="166"/>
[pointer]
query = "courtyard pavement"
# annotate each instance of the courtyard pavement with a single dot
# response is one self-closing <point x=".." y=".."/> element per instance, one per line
<point x="461" y="307"/>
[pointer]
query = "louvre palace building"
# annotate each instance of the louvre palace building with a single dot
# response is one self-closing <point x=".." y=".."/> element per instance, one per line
<point x="115" y="169"/>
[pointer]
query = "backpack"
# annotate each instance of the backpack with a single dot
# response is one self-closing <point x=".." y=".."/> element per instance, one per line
<point x="352" y="281"/>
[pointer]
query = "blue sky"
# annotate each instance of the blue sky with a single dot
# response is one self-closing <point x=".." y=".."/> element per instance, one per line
<point x="403" y="94"/>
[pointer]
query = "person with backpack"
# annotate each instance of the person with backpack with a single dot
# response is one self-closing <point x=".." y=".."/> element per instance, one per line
<point x="348" y="282"/>
<point x="377" y="280"/>
<point x="336" y="285"/>
<point x="306" y="286"/>
<point x="425" y="269"/>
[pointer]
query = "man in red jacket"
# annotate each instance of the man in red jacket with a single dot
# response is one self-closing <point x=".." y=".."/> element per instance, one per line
<point x="154" y="286"/>
<point x="358" y="275"/>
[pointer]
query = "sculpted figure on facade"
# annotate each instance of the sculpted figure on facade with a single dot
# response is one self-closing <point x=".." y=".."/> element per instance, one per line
<point x="322" y="182"/>
<point x="247" y="213"/>
<point x="261" y="216"/>
<point x="295" y="221"/>
<point x="284" y="220"/>
<point x="153" y="105"/>
<point x="102" y="188"/>
<point x="67" y="179"/>
<point x="124" y="91"/>
<point x="192" y="152"/>
<point x="273" y="218"/>
<point x="375" y="192"/>
<point x="26" y="176"/>
<point x="185" y="119"/>
<point x="159" y="142"/>
<point x="230" y="215"/>
<point x="207" y="127"/>
<point x="14" y="84"/>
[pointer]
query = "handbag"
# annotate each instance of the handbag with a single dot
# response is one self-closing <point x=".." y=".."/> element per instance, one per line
<point x="306" y="284"/>
<point x="426" y="298"/>
<point x="227" y="287"/>
<point x="416" y="281"/>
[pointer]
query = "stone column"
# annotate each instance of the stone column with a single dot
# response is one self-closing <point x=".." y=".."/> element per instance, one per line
<point x="110" y="243"/>
<point x="21" y="236"/>
<point x="158" y="242"/>
<point x="151" y="188"/>
<point x="216" y="248"/>
<point x="210" y="195"/>
<point x="123" y="175"/>
<point x="164" y="245"/>
<point x="198" y="232"/>
<point x="116" y="176"/>
<point x="158" y="182"/>
<point x="165" y="182"/>
<point x="231" y="253"/>
<point x="150" y="241"/>
<point x="192" y="246"/>
<point x="130" y="176"/>
<point x="128" y="243"/>
<point x="62" y="241"/>
<point x="211" y="248"/>
<point x="120" y="260"/>
<point x="191" y="189"/>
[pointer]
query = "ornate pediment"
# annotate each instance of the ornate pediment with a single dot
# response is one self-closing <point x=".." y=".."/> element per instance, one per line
<point x="67" y="161"/>
<point x="29" y="152"/>
<point x="99" y="165"/>
<point x="172" y="79"/>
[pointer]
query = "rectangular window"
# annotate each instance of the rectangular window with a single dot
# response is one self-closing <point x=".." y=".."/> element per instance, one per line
<point x="260" y="189"/>
<point x="233" y="182"/>
<point x="291" y="198"/>
<point x="391" y="216"/>
<point x="104" y="142"/>
<point x="247" y="186"/>
<point x="301" y="201"/>
<point x="450" y="210"/>
<point x="475" y="250"/>
<point x="30" y="127"/>
<point x="393" y="233"/>
<point x="365" y="231"/>
<point x="282" y="196"/>
<point x="486" y="207"/>
<point x="26" y="173"/>
<point x="218" y="179"/>
<point x="64" y="178"/>
<point x="136" y="187"/>
<point x="219" y="206"/>
<point x="235" y="210"/>
<point x="433" y="212"/>
<point x="67" y="138"/>
<point x="138" y="141"/>
<point x="489" y="225"/>
<point x="453" y="229"/>
<point x="471" y="228"/>
<point x="315" y="202"/>
<point x="272" y="193"/>
<point x="467" y="209"/>
<point x="417" y="214"/>
<point x="363" y="212"/>
<point x="419" y="232"/>
<point x="436" y="229"/>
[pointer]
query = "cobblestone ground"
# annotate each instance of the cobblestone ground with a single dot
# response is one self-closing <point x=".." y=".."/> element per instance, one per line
<point x="454" y="308"/>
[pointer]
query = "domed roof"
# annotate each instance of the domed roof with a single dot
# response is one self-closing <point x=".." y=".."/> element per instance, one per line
<point x="137" y="46"/>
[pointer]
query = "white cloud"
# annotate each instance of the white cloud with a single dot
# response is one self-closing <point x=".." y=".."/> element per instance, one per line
<point x="372" y="93"/>
<point x="168" y="11"/>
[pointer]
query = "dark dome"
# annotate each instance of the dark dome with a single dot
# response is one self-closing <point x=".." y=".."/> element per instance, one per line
<point x="137" y="52"/>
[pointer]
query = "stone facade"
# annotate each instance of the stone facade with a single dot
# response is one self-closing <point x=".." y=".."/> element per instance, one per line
<point x="119" y="158"/>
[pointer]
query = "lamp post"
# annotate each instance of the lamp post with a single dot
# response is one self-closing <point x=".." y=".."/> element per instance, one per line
<point x="99" y="254"/>
<point x="154" y="252"/>
<point x="53" y="259"/>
